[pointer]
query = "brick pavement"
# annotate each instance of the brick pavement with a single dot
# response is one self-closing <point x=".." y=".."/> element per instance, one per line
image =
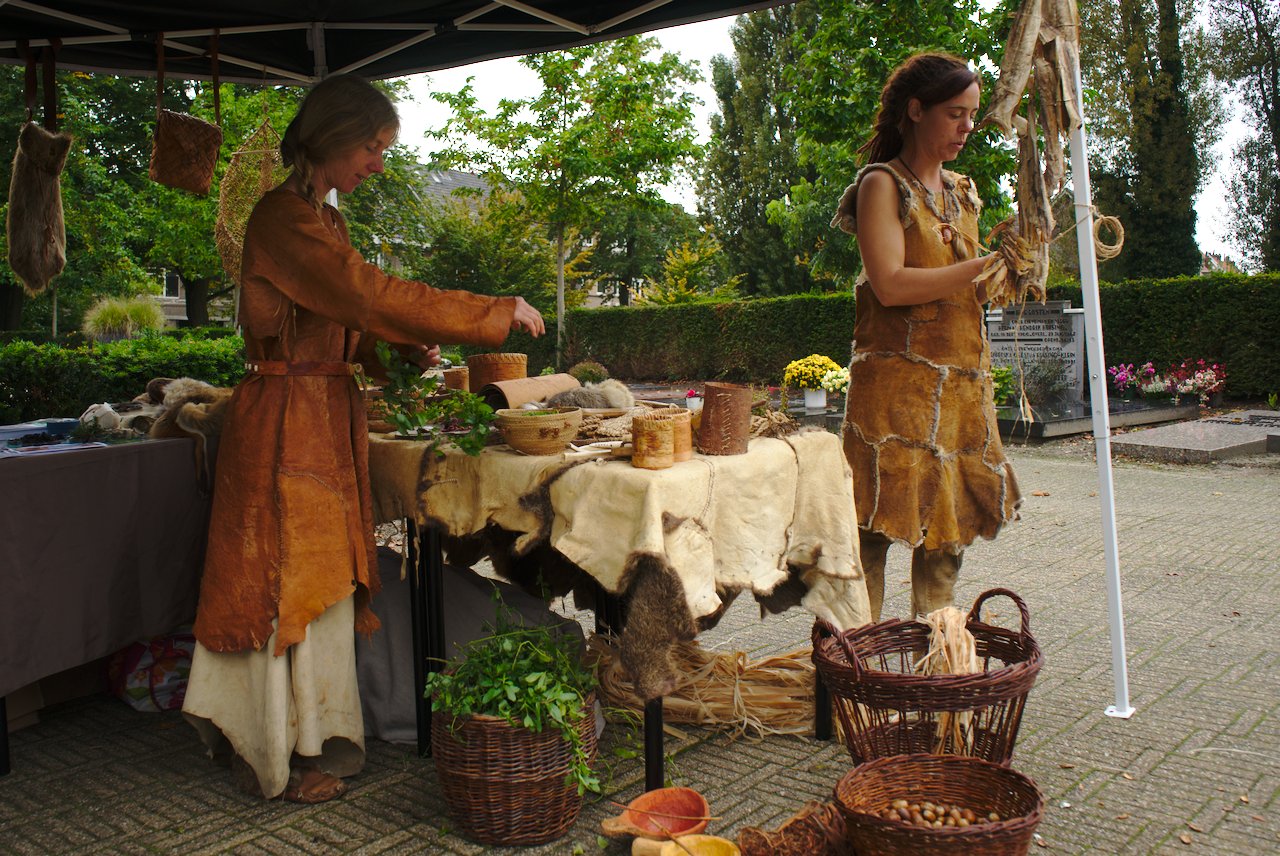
<point x="1198" y="553"/>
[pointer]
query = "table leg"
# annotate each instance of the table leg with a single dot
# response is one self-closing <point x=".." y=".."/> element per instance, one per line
<point x="653" y="767"/>
<point x="4" y="738"/>
<point x="821" y="708"/>
<point x="426" y="610"/>
<point x="417" y="610"/>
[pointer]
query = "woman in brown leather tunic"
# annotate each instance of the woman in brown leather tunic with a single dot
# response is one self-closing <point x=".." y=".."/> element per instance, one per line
<point x="290" y="565"/>
<point x="920" y="427"/>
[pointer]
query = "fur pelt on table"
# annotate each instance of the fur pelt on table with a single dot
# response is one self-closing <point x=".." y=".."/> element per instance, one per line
<point x="195" y="409"/>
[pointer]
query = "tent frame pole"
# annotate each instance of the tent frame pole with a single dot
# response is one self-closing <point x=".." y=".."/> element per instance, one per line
<point x="1121" y="709"/>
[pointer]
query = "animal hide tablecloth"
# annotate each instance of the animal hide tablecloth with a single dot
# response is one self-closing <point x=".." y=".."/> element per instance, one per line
<point x="674" y="541"/>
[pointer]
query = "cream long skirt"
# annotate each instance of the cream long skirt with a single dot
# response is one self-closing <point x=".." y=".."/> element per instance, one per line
<point x="271" y="709"/>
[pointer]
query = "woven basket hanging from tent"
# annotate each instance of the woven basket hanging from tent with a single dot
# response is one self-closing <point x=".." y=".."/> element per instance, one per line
<point x="254" y="169"/>
<point x="184" y="149"/>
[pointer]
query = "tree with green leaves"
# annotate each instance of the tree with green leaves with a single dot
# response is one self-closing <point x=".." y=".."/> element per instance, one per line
<point x="1154" y="115"/>
<point x="1246" y="42"/>
<point x="846" y="50"/>
<point x="487" y="245"/>
<point x="612" y="122"/>
<point x="753" y="156"/>
<point x="630" y="239"/>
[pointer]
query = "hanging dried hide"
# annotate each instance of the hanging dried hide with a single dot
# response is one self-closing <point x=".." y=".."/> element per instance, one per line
<point x="1050" y="94"/>
<point x="1060" y="38"/>
<point x="35" y="229"/>
<point x="1020" y="267"/>
<point x="1015" y="69"/>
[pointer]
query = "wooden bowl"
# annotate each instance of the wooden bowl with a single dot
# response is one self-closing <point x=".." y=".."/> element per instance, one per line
<point x="539" y="432"/>
<point x="661" y="813"/>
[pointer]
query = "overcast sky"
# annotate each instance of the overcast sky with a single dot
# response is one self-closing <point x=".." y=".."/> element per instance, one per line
<point x="506" y="78"/>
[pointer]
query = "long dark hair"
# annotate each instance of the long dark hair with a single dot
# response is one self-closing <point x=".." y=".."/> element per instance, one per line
<point x="930" y="77"/>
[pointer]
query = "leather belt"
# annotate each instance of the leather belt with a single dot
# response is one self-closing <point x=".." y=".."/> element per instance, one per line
<point x="322" y="368"/>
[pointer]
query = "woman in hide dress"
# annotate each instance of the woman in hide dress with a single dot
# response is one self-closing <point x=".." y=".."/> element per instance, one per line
<point x="920" y="427"/>
<point x="290" y="565"/>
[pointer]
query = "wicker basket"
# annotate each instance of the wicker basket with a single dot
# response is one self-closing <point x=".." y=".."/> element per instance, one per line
<point x="491" y="368"/>
<point x="508" y="785"/>
<point x="184" y="151"/>
<point x="864" y="792"/>
<point x="539" y="432"/>
<point x="885" y="708"/>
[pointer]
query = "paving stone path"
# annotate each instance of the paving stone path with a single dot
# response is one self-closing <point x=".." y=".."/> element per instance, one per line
<point x="1200" y="556"/>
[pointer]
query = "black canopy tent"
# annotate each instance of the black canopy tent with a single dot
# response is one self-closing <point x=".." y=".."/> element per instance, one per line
<point x="301" y="41"/>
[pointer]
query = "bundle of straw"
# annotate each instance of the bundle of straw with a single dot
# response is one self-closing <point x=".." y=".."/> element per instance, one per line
<point x="721" y="690"/>
<point x="952" y="651"/>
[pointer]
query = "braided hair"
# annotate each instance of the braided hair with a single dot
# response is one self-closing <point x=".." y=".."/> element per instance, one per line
<point x="931" y="78"/>
<point x="339" y="114"/>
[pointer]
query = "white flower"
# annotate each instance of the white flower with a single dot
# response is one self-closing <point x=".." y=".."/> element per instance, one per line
<point x="836" y="381"/>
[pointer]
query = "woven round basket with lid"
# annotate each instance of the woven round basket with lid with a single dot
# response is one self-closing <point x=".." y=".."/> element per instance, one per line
<point x="485" y="369"/>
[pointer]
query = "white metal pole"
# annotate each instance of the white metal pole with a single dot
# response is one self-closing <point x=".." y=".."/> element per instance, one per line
<point x="1098" y="401"/>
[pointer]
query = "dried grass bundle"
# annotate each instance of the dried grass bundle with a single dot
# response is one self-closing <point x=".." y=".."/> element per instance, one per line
<point x="722" y="690"/>
<point x="952" y="651"/>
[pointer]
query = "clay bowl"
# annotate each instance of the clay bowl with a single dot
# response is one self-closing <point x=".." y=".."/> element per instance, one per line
<point x="539" y="432"/>
<point x="661" y="813"/>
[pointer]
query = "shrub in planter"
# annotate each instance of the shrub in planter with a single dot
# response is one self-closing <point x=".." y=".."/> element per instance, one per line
<point x="513" y="733"/>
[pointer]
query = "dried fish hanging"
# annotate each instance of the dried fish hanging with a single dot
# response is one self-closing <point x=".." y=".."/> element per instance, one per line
<point x="254" y="169"/>
<point x="1043" y="49"/>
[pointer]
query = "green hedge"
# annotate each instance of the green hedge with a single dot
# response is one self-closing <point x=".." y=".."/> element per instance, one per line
<point x="38" y="381"/>
<point x="1231" y="319"/>
<point x="741" y="340"/>
<point x="1226" y="318"/>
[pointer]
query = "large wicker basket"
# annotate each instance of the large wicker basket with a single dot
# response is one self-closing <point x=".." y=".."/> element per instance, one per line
<point x="885" y="708"/>
<point x="485" y="369"/>
<point x="508" y="785"/>
<point x="867" y="790"/>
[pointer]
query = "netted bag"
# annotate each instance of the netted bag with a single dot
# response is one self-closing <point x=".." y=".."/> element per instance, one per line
<point x="254" y="169"/>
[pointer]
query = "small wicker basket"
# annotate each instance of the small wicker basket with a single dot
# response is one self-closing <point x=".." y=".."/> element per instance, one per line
<point x="867" y="790"/>
<point x="508" y="785"/>
<point x="885" y="708"/>
<point x="539" y="432"/>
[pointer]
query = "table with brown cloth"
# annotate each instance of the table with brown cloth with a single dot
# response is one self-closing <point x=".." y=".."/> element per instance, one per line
<point x="98" y="547"/>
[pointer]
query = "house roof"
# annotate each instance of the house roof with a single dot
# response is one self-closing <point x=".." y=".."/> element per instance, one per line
<point x="301" y="41"/>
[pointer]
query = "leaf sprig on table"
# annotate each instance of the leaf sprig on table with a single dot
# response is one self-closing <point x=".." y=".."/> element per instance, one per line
<point x="414" y="402"/>
<point x="531" y="676"/>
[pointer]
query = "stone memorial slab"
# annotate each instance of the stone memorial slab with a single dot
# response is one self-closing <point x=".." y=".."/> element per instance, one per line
<point x="1202" y="441"/>
<point x="1033" y="332"/>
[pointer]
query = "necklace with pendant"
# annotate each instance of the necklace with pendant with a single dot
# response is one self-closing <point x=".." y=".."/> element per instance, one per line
<point x="950" y="206"/>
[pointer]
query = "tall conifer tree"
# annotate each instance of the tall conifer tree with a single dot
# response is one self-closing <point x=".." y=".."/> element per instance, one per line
<point x="752" y="158"/>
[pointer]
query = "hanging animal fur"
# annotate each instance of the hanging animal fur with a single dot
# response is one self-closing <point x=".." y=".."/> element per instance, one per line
<point x="35" y="227"/>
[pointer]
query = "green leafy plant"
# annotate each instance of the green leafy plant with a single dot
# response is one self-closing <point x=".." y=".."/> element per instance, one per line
<point x="419" y="406"/>
<point x="531" y="676"/>
<point x="1273" y="401"/>
<point x="1002" y="384"/>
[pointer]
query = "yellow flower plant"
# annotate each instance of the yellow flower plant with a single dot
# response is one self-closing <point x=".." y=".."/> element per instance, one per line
<point x="808" y="372"/>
